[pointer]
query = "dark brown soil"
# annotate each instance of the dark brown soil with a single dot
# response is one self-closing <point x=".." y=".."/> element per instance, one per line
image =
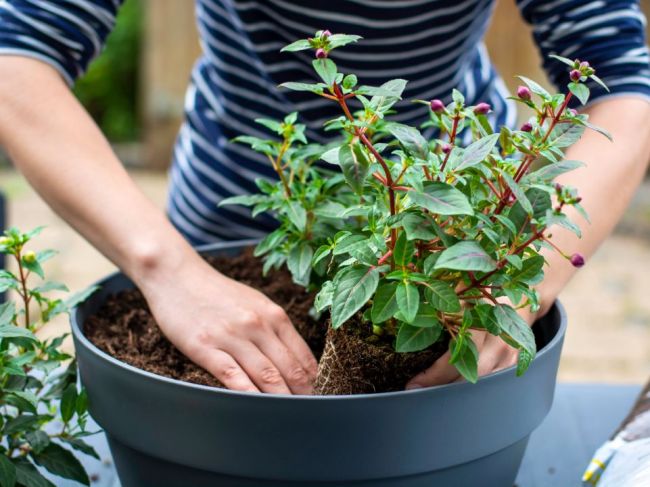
<point x="125" y="328"/>
<point x="353" y="364"/>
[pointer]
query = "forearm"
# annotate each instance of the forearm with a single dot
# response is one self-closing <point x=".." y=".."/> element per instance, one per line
<point x="55" y="144"/>
<point x="606" y="184"/>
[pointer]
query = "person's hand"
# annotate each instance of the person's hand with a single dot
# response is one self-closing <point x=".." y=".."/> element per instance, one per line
<point x="231" y="330"/>
<point x="494" y="355"/>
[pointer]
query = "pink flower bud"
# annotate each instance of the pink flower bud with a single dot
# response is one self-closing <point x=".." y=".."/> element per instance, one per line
<point x="558" y="187"/>
<point x="326" y="33"/>
<point x="584" y="65"/>
<point x="320" y="53"/>
<point x="524" y="93"/>
<point x="577" y="260"/>
<point x="578" y="199"/>
<point x="482" y="108"/>
<point x="446" y="148"/>
<point x="527" y="127"/>
<point x="511" y="199"/>
<point x="575" y="75"/>
<point x="573" y="112"/>
<point x="437" y="106"/>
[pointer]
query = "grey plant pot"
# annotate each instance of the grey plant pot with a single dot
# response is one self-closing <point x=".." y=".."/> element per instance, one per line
<point x="167" y="433"/>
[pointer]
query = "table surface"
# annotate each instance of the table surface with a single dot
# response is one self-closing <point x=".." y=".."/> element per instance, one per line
<point x="583" y="416"/>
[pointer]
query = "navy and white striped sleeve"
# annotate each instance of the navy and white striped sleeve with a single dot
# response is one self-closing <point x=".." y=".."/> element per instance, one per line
<point x="610" y="34"/>
<point x="67" y="34"/>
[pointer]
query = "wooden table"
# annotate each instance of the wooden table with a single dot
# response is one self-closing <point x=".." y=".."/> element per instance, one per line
<point x="582" y="418"/>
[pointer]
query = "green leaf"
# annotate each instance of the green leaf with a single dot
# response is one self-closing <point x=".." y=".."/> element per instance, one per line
<point x="551" y="171"/>
<point x="441" y="198"/>
<point x="81" y="446"/>
<point x="418" y="227"/>
<point x="515" y="328"/>
<point x="242" y="199"/>
<point x="271" y="241"/>
<point x="299" y="45"/>
<point x="23" y="400"/>
<point x="314" y="88"/>
<point x="415" y="338"/>
<point x="61" y="462"/>
<point x="299" y="262"/>
<point x="338" y="40"/>
<point x="540" y="201"/>
<point x="37" y="440"/>
<point x="326" y="69"/>
<point x="354" y="165"/>
<point x="384" y="303"/>
<point x="427" y="317"/>
<point x="599" y="81"/>
<point x="466" y="256"/>
<point x="408" y="300"/>
<point x="353" y="287"/>
<point x="535" y="87"/>
<point x="324" y="297"/>
<point x="34" y="267"/>
<point x="22" y="423"/>
<point x="442" y="297"/>
<point x="297" y="215"/>
<point x="403" y="251"/>
<point x="531" y="271"/>
<point x="465" y="358"/>
<point x="28" y="476"/>
<point x="12" y="331"/>
<point x="68" y="402"/>
<point x="565" y="135"/>
<point x="382" y="103"/>
<point x="7" y="472"/>
<point x="411" y="139"/>
<point x="476" y="152"/>
<point x="72" y="301"/>
<point x="51" y="286"/>
<point x="600" y="130"/>
<point x="580" y="91"/>
<point x="7" y="314"/>
<point x="523" y="361"/>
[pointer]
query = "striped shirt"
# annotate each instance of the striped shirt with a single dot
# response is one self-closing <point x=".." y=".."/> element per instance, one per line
<point x="436" y="44"/>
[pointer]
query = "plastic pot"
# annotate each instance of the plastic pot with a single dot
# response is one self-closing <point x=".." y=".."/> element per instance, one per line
<point x="167" y="433"/>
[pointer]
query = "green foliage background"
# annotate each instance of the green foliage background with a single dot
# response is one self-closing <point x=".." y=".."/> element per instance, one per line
<point x="109" y="90"/>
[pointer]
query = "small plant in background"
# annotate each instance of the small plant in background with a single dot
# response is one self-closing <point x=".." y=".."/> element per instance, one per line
<point x="422" y="240"/>
<point x="43" y="414"/>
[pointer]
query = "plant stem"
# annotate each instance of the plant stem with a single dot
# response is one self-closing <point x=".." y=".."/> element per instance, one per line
<point x="452" y="140"/>
<point x="365" y="141"/>
<point x="23" y="283"/>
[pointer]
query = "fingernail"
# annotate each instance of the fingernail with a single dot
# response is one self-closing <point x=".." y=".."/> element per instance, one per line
<point x="413" y="386"/>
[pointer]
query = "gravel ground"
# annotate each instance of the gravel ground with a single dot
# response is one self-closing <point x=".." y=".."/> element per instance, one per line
<point x="607" y="302"/>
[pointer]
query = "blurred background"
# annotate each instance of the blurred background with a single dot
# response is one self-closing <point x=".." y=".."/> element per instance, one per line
<point x="135" y="90"/>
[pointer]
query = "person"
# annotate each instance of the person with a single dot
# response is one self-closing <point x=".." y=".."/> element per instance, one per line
<point x="231" y="330"/>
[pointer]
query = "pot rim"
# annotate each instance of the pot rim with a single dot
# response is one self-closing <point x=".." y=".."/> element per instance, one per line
<point x="81" y="339"/>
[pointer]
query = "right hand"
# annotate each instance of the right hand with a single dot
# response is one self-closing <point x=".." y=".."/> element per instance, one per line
<point x="231" y="330"/>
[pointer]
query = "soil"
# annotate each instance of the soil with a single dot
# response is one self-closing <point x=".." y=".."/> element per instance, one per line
<point x="354" y="361"/>
<point x="357" y="362"/>
<point x="125" y="328"/>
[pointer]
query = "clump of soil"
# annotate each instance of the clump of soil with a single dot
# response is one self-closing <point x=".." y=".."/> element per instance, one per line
<point x="125" y="328"/>
<point x="357" y="362"/>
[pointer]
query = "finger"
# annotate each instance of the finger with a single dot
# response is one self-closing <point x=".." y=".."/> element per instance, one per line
<point x="441" y="372"/>
<point x="292" y="370"/>
<point x="288" y="335"/>
<point x="264" y="374"/>
<point x="227" y="370"/>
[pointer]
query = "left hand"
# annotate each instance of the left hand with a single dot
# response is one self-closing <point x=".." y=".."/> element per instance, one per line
<point x="494" y="354"/>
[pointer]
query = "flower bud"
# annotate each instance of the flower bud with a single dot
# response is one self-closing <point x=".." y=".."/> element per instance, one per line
<point x="29" y="257"/>
<point x="524" y="93"/>
<point x="584" y="65"/>
<point x="437" y="106"/>
<point x="527" y="127"/>
<point x="578" y="199"/>
<point x="558" y="188"/>
<point x="573" y="112"/>
<point x="482" y="108"/>
<point x="4" y="240"/>
<point x="512" y="199"/>
<point x="325" y="34"/>
<point x="575" y="75"/>
<point x="446" y="148"/>
<point x="320" y="53"/>
<point x="377" y="330"/>
<point x="577" y="260"/>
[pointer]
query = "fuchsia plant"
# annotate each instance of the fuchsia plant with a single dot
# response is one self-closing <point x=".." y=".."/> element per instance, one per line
<point x="423" y="240"/>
